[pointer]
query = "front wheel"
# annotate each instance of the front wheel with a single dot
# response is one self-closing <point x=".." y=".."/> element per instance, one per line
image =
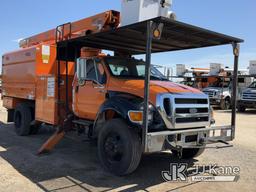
<point x="225" y="104"/>
<point x="241" y="109"/>
<point x="119" y="147"/>
<point x="189" y="153"/>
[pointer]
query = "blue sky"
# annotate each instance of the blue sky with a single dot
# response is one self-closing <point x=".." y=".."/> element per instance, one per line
<point x="20" y="19"/>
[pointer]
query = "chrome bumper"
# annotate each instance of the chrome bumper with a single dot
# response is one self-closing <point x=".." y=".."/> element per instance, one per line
<point x="165" y="140"/>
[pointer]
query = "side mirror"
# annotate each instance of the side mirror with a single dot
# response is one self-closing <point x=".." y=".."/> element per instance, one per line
<point x="81" y="69"/>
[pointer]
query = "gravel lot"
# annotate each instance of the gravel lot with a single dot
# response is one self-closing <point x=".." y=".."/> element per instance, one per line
<point x="74" y="166"/>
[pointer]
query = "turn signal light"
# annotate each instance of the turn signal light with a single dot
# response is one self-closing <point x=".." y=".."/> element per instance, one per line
<point x="157" y="33"/>
<point x="136" y="116"/>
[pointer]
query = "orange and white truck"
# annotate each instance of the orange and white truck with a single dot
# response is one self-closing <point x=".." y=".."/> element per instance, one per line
<point x="62" y="78"/>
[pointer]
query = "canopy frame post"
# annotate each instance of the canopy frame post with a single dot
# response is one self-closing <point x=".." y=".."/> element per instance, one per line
<point x="236" y="52"/>
<point x="146" y="86"/>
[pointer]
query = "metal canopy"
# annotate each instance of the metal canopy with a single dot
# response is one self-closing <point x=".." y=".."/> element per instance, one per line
<point x="132" y="39"/>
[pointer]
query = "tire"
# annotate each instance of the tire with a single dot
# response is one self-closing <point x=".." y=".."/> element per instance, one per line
<point x="190" y="153"/>
<point x="116" y="135"/>
<point x="241" y="109"/>
<point x="225" y="104"/>
<point x="22" y="119"/>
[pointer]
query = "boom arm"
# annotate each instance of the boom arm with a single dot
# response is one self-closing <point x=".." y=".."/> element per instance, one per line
<point x="100" y="22"/>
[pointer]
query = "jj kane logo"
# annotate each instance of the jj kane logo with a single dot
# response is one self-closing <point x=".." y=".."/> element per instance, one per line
<point x="206" y="173"/>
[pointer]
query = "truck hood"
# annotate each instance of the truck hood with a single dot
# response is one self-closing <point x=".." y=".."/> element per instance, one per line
<point x="249" y="90"/>
<point x="213" y="89"/>
<point x="136" y="87"/>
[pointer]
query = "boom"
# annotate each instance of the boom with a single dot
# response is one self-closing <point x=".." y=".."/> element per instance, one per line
<point x="100" y="22"/>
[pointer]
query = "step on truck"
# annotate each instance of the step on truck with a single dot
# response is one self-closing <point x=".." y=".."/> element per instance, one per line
<point x="61" y="78"/>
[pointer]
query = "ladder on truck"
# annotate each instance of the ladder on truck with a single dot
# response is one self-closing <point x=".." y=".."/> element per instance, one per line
<point x="64" y="124"/>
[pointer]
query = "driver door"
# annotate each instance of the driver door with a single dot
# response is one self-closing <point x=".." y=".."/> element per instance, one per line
<point x="90" y="90"/>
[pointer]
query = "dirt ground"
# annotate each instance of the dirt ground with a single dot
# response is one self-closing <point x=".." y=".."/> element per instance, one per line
<point x="74" y="166"/>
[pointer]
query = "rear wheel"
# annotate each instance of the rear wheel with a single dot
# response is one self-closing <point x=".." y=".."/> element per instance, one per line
<point x="190" y="153"/>
<point x="22" y="119"/>
<point x="119" y="147"/>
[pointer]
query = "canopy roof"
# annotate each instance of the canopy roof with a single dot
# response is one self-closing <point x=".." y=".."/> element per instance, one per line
<point x="131" y="39"/>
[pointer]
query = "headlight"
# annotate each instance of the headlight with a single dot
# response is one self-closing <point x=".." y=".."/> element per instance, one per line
<point x="217" y="93"/>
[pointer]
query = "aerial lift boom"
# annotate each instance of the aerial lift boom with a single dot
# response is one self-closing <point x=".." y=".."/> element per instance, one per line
<point x="100" y="22"/>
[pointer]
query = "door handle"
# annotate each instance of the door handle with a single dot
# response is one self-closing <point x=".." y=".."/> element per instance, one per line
<point x="77" y="89"/>
<point x="102" y="91"/>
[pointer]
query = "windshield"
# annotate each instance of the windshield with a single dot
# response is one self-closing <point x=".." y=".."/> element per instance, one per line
<point x="253" y="85"/>
<point x="131" y="68"/>
<point x="221" y="84"/>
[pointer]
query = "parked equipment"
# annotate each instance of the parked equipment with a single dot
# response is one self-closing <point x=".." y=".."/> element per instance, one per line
<point x="193" y="77"/>
<point x="61" y="78"/>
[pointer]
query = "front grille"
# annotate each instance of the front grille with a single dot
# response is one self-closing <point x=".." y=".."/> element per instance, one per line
<point x="192" y="119"/>
<point x="188" y="110"/>
<point x="210" y="93"/>
<point x="190" y="101"/>
<point x="249" y="96"/>
<point x="184" y="110"/>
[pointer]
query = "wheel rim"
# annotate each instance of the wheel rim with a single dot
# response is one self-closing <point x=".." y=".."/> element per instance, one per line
<point x="18" y="119"/>
<point x="113" y="147"/>
<point x="227" y="104"/>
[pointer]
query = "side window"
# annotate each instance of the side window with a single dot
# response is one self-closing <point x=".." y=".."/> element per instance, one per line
<point x="102" y="77"/>
<point x="119" y="70"/>
<point x="141" y="70"/>
<point x="95" y="71"/>
<point x="241" y="80"/>
<point x="89" y="69"/>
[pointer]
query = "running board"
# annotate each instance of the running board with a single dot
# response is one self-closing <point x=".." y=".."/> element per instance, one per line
<point x="83" y="122"/>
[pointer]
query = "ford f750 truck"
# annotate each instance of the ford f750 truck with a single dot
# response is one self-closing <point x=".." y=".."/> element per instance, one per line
<point x="62" y="78"/>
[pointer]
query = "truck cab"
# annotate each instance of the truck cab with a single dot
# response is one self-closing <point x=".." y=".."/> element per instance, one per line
<point x="100" y="80"/>
<point x="248" y="98"/>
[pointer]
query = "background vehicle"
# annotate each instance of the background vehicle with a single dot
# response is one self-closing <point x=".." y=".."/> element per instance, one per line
<point x="220" y="89"/>
<point x="193" y="77"/>
<point x="61" y="78"/>
<point x="248" y="96"/>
